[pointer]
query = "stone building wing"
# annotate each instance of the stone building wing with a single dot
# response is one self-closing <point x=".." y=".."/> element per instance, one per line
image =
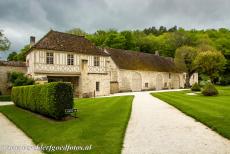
<point x="133" y="60"/>
<point x="60" y="41"/>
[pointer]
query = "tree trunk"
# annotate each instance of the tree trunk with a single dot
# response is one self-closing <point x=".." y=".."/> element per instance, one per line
<point x="187" y="83"/>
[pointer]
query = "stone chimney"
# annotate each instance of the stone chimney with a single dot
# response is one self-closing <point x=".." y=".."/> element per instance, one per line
<point x="157" y="53"/>
<point x="32" y="40"/>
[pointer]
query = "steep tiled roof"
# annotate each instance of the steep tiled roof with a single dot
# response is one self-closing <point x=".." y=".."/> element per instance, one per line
<point x="133" y="60"/>
<point x="59" y="41"/>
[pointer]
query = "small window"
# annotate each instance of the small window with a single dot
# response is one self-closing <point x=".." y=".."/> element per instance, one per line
<point x="49" y="58"/>
<point x="96" y="61"/>
<point x="70" y="59"/>
<point x="169" y="75"/>
<point x="146" y="85"/>
<point x="97" y="86"/>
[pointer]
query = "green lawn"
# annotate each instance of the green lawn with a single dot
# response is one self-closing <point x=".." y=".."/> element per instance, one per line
<point x="101" y="123"/>
<point x="213" y="111"/>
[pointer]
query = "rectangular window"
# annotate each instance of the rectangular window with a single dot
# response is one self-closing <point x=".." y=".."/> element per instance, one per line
<point x="96" y="61"/>
<point x="169" y="75"/>
<point x="97" y="86"/>
<point x="146" y="85"/>
<point x="49" y="58"/>
<point x="70" y="59"/>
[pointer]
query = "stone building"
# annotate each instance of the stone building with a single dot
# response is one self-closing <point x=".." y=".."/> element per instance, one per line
<point x="95" y="71"/>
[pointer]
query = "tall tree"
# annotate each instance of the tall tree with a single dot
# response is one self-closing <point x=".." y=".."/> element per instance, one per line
<point x="210" y="63"/>
<point x="184" y="60"/>
<point x="4" y="42"/>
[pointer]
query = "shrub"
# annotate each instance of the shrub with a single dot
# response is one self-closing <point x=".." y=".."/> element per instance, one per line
<point x="19" y="79"/>
<point x="5" y="98"/>
<point x="49" y="99"/>
<point x="204" y="82"/>
<point x="209" y="90"/>
<point x="195" y="87"/>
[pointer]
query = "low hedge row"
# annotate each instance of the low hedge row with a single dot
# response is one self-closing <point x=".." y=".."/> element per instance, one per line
<point x="5" y="98"/>
<point x="49" y="99"/>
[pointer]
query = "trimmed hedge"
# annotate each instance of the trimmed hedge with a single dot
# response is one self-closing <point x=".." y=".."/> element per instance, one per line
<point x="49" y="99"/>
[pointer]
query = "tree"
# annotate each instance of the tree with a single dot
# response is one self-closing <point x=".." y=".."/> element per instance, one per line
<point x="184" y="60"/>
<point x="210" y="63"/>
<point x="77" y="31"/>
<point x="21" y="56"/>
<point x="12" y="56"/>
<point x="4" y="42"/>
<point x="115" y="40"/>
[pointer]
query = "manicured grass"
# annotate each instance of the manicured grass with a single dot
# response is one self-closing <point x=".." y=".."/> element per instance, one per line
<point x="5" y="98"/>
<point x="101" y="123"/>
<point x="213" y="111"/>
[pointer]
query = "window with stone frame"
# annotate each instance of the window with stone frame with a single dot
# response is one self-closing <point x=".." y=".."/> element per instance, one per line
<point x="97" y="86"/>
<point x="49" y="58"/>
<point x="146" y="85"/>
<point x="96" y="61"/>
<point x="70" y="59"/>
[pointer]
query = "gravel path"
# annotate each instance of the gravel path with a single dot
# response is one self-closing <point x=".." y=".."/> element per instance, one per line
<point x="158" y="128"/>
<point x="10" y="135"/>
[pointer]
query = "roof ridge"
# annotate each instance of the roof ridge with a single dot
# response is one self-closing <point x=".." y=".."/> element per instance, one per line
<point x="68" y="33"/>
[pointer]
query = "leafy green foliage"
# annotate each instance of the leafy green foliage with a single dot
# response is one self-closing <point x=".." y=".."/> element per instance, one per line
<point x="19" y="79"/>
<point x="209" y="90"/>
<point x="225" y="80"/>
<point x="5" y="98"/>
<point x="21" y="56"/>
<point x="195" y="87"/>
<point x="184" y="60"/>
<point x="12" y="56"/>
<point x="4" y="42"/>
<point x="48" y="99"/>
<point x="210" y="63"/>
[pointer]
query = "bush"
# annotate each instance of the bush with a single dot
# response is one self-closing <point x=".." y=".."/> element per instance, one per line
<point x="19" y="79"/>
<point x="195" y="87"/>
<point x="5" y="98"/>
<point x="49" y="99"/>
<point x="204" y="82"/>
<point x="209" y="90"/>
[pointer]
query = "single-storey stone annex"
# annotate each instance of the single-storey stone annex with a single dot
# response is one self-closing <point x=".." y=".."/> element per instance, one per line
<point x="94" y="71"/>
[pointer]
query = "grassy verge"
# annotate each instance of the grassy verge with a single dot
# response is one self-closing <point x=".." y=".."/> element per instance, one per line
<point x="101" y="123"/>
<point x="5" y="98"/>
<point x="213" y="111"/>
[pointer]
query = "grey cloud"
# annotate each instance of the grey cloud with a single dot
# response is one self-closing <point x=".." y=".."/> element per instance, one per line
<point x="20" y="19"/>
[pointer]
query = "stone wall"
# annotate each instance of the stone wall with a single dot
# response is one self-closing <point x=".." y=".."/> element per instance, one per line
<point x="5" y="68"/>
<point x="134" y="80"/>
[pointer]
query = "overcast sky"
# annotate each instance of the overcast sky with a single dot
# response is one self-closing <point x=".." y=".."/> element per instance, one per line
<point x="22" y="18"/>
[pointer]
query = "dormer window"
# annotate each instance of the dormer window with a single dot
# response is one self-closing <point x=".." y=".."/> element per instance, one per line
<point x="70" y="59"/>
<point x="49" y="58"/>
<point x="96" y="61"/>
